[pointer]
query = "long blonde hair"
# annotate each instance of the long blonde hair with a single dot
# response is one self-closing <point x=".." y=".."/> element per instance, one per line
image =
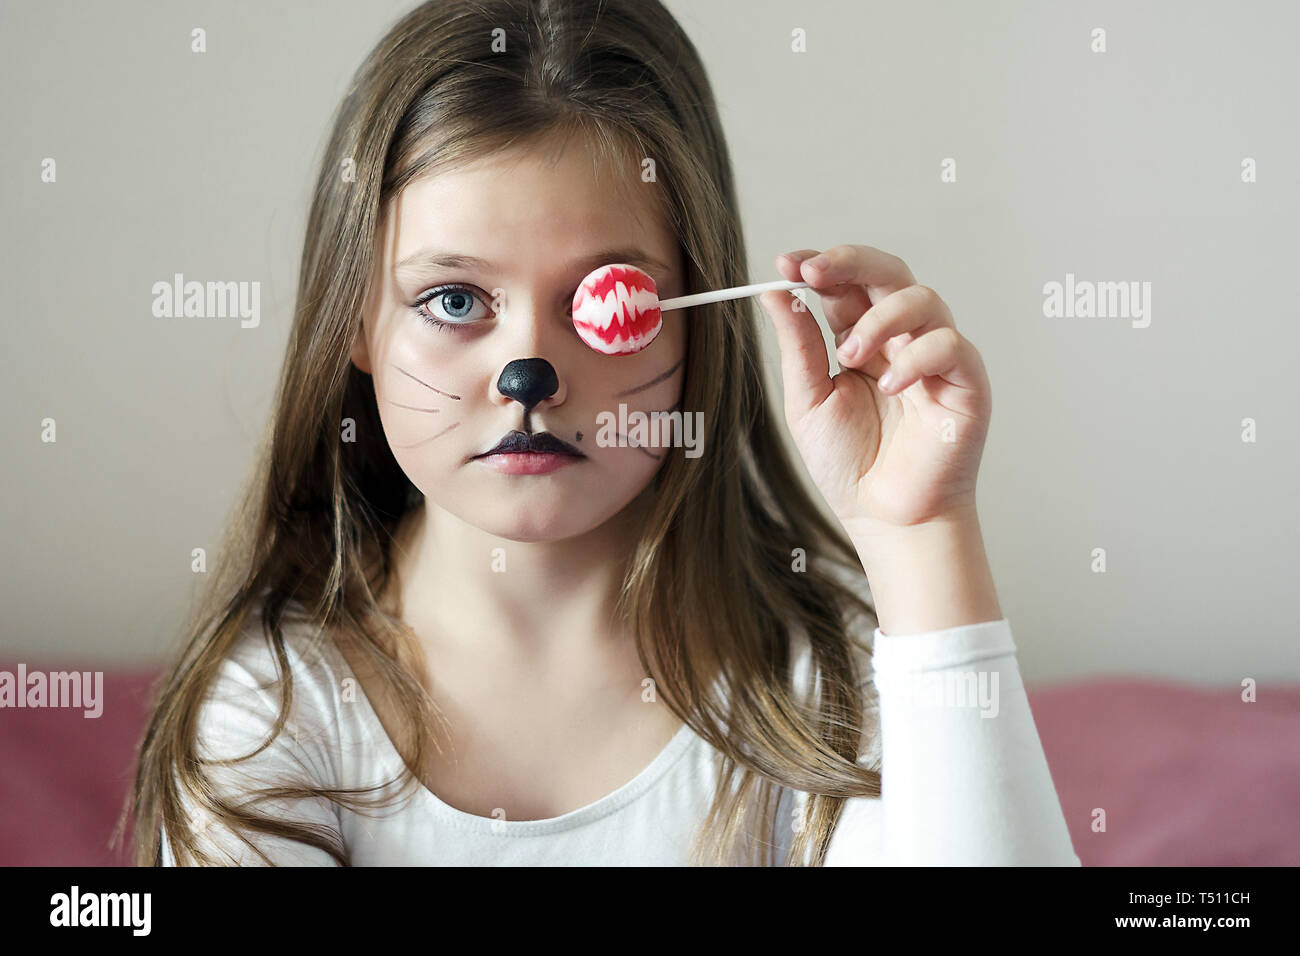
<point x="712" y="577"/>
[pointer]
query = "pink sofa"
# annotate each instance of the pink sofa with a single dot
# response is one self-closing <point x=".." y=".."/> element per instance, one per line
<point x="1186" y="775"/>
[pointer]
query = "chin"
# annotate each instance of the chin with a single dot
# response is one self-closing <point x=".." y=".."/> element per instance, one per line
<point x="534" y="510"/>
<point x="533" y="521"/>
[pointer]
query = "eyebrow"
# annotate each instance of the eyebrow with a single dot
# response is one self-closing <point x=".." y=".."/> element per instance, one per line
<point x="452" y="260"/>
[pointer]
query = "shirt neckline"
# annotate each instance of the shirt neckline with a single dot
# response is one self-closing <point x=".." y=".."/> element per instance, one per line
<point x="601" y="807"/>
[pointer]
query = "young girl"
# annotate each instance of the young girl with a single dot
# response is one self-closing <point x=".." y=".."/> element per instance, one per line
<point x="461" y="621"/>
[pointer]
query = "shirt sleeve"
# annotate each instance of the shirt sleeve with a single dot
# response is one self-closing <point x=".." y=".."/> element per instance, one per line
<point x="235" y="719"/>
<point x="964" y="780"/>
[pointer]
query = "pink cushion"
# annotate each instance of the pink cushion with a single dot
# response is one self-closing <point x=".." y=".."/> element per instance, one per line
<point x="1186" y="775"/>
<point x="66" y="776"/>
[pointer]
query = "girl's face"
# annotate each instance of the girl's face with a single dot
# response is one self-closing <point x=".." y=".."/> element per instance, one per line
<point x="469" y="337"/>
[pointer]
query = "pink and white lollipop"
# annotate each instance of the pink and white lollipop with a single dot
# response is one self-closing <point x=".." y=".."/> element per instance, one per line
<point x="617" y="309"/>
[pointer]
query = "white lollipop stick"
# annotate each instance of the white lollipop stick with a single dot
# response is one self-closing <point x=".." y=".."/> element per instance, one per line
<point x="722" y="295"/>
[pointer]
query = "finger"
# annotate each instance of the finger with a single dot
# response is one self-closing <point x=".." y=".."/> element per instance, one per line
<point x="787" y="265"/>
<point x="874" y="367"/>
<point x="904" y="316"/>
<point x="805" y="367"/>
<point x="852" y="278"/>
<point x="943" y="352"/>
<point x="842" y="305"/>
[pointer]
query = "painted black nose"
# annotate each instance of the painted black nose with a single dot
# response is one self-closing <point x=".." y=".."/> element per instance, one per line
<point x="528" y="381"/>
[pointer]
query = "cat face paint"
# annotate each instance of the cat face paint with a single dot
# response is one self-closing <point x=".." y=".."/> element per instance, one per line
<point x="488" y="394"/>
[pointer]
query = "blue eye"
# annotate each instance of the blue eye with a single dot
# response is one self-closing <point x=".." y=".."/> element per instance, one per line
<point x="456" y="301"/>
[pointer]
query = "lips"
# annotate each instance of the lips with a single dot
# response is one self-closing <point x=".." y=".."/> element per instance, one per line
<point x="616" y="310"/>
<point x="531" y="443"/>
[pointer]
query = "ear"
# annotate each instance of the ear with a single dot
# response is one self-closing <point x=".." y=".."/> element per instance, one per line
<point x="360" y="351"/>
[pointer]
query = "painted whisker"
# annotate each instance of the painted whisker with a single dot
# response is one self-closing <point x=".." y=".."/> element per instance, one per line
<point x="663" y="377"/>
<point x="426" y="384"/>
<point x="640" y="448"/>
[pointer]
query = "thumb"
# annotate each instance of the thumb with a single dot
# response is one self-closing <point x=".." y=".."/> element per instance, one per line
<point x="805" y="368"/>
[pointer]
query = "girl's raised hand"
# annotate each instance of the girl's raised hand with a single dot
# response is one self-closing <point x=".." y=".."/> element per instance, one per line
<point x="894" y="440"/>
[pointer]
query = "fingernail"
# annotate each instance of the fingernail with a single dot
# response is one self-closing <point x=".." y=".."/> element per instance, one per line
<point x="849" y="350"/>
<point x="886" y="381"/>
<point x="820" y="261"/>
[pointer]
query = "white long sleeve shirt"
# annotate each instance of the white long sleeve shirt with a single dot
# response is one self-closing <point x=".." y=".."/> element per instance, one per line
<point x="964" y="780"/>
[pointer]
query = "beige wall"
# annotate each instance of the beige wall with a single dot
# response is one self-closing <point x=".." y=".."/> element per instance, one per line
<point x="1115" y="166"/>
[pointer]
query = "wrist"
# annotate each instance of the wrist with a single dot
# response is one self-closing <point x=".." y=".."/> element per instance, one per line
<point x="959" y="515"/>
<point x="928" y="576"/>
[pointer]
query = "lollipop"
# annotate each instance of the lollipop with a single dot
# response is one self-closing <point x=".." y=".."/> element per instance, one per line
<point x="617" y="310"/>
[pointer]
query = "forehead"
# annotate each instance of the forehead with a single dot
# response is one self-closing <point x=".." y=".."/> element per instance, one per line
<point x="528" y="206"/>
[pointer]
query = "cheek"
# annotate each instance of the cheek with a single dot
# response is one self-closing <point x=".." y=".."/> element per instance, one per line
<point x="421" y="391"/>
<point x="415" y="348"/>
<point x="606" y="376"/>
<point x="621" y="469"/>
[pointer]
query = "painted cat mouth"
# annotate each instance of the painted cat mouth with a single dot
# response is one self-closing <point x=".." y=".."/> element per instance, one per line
<point x="531" y="443"/>
<point x="616" y="310"/>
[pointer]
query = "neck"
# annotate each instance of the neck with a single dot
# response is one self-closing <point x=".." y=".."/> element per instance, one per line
<point x="462" y="587"/>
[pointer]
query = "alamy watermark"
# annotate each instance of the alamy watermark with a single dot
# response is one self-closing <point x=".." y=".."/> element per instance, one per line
<point x="208" y="300"/>
<point x="1098" y="300"/>
<point x="637" y="429"/>
<point x="75" y="908"/>
<point x="84" y="689"/>
<point x="951" y="689"/>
